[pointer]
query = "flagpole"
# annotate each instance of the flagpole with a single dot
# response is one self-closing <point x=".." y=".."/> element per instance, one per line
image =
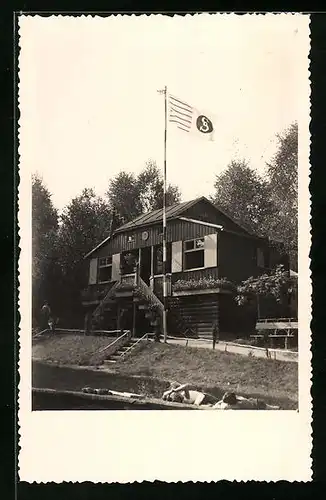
<point x="164" y="220"/>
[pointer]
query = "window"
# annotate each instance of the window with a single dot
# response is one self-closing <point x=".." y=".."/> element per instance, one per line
<point x="104" y="269"/>
<point x="194" y="253"/>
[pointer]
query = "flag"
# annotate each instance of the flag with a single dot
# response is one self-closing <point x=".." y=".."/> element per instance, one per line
<point x="190" y="119"/>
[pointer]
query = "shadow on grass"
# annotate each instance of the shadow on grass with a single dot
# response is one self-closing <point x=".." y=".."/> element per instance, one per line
<point x="65" y="378"/>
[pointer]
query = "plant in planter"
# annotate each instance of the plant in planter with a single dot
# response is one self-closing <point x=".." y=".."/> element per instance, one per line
<point x="203" y="283"/>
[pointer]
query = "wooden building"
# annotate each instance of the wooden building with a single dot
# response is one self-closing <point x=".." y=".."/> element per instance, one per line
<point x="207" y="252"/>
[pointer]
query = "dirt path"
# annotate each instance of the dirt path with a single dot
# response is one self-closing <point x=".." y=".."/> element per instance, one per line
<point x="239" y="349"/>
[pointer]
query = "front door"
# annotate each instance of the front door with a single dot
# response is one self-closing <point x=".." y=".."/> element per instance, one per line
<point x="145" y="264"/>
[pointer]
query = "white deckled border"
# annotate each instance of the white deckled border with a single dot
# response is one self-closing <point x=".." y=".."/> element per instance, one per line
<point x="169" y="446"/>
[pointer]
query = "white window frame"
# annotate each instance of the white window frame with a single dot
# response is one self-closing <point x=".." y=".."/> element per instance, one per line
<point x="201" y="249"/>
<point x="108" y="263"/>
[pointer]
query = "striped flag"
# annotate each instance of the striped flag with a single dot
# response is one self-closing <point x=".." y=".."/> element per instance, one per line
<point x="190" y="119"/>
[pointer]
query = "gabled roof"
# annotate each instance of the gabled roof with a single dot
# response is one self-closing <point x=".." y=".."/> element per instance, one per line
<point x="157" y="215"/>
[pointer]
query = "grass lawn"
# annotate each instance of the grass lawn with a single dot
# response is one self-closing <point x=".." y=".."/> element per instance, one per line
<point x="276" y="382"/>
<point x="256" y="377"/>
<point x="69" y="349"/>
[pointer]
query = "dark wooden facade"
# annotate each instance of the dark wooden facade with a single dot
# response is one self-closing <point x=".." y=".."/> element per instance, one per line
<point x="225" y="250"/>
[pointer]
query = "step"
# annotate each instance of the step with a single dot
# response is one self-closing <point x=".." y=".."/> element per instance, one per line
<point x="109" y="361"/>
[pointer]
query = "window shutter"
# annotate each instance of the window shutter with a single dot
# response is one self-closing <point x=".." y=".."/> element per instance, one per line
<point x="176" y="266"/>
<point x="92" y="272"/>
<point x="115" y="267"/>
<point x="211" y="250"/>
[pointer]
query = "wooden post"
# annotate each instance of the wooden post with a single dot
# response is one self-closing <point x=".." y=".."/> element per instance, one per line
<point x="152" y="268"/>
<point x="134" y="319"/>
<point x="118" y="317"/>
<point x="139" y="263"/>
<point x="258" y="308"/>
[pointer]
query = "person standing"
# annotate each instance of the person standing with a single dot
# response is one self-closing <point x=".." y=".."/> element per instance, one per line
<point x="215" y="334"/>
<point x="45" y="315"/>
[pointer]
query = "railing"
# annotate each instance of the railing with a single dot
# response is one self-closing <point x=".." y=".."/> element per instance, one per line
<point x="277" y="324"/>
<point x="150" y="296"/>
<point x="134" y="345"/>
<point x="111" y="348"/>
<point x="104" y="301"/>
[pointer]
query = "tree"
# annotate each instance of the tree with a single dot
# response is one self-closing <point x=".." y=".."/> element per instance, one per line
<point x="45" y="272"/>
<point x="124" y="196"/>
<point x="245" y="196"/>
<point x="283" y="184"/>
<point x="133" y="195"/>
<point x="84" y="223"/>
<point x="278" y="285"/>
<point x="150" y="184"/>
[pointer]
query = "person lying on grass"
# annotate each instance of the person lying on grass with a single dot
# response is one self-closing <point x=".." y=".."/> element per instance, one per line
<point x="187" y="393"/>
<point x="232" y="402"/>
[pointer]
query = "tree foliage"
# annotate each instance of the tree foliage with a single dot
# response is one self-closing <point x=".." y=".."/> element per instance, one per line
<point x="45" y="270"/>
<point x="245" y="196"/>
<point x="133" y="195"/>
<point x="268" y="206"/>
<point x="283" y="182"/>
<point x="277" y="284"/>
<point x="85" y="221"/>
<point x="150" y="183"/>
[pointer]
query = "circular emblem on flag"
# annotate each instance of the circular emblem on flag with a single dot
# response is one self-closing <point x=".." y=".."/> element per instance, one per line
<point x="204" y="124"/>
<point x="144" y="235"/>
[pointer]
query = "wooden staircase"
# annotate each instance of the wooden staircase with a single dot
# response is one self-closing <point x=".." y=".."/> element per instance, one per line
<point x="135" y="292"/>
<point x="188" y="316"/>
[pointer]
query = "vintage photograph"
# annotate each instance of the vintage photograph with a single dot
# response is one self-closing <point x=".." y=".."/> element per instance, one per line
<point x="187" y="281"/>
<point x="162" y="161"/>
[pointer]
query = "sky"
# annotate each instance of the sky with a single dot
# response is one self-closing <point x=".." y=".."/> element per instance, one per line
<point x="90" y="108"/>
